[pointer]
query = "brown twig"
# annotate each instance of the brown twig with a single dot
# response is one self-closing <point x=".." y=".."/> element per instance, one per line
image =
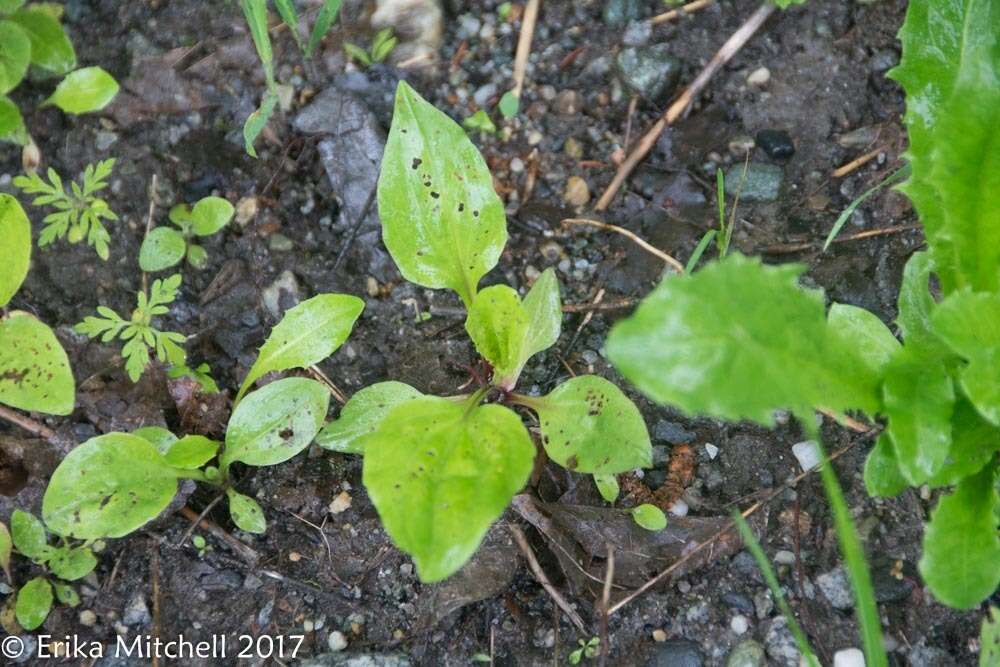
<point x="844" y="170"/>
<point x="789" y="248"/>
<point x="607" y="305"/>
<point x="683" y="103"/>
<point x="609" y="577"/>
<point x="27" y="423"/>
<point x="674" y="264"/>
<point x="149" y="223"/>
<point x="540" y="575"/>
<point x="243" y="550"/>
<point x="321" y="376"/>
<point x="524" y="45"/>
<point x="684" y="10"/>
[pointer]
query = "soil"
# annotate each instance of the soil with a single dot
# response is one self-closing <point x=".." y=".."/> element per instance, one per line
<point x="190" y="78"/>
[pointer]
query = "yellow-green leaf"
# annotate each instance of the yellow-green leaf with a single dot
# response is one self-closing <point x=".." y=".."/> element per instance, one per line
<point x="34" y="601"/>
<point x="15" y="55"/>
<point x="34" y="369"/>
<point x="362" y="414"/>
<point x="15" y="230"/>
<point x="51" y="48"/>
<point x="85" y="90"/>
<point x="246" y="513"/>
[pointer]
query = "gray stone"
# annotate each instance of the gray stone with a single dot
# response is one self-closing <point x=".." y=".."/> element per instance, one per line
<point x="676" y="653"/>
<point x="620" y="12"/>
<point x="836" y="588"/>
<point x="136" y="613"/>
<point x="780" y="644"/>
<point x="638" y="33"/>
<point x="650" y="71"/>
<point x="747" y="653"/>
<point x="672" y="432"/>
<point x="762" y="182"/>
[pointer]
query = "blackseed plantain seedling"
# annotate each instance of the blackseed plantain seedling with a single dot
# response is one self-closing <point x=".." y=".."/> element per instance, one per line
<point x="165" y="247"/>
<point x="34" y="370"/>
<point x="441" y="470"/>
<point x="79" y="211"/>
<point x="33" y="43"/>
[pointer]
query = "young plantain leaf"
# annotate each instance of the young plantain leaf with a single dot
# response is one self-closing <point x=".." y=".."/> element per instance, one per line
<point x="15" y="55"/>
<point x="191" y="452"/>
<point x="439" y="472"/>
<point x="162" y="248"/>
<point x="442" y="221"/>
<point x="51" y="48"/>
<point x="882" y="476"/>
<point x="85" y="90"/>
<point x="246" y="513"/>
<point x="34" y="601"/>
<point x="276" y="422"/>
<point x="588" y="425"/>
<point x="362" y="414"/>
<point x="257" y="121"/>
<point x="108" y="487"/>
<point x="29" y="537"/>
<point x="961" y="544"/>
<point x="948" y="70"/>
<point x="498" y="325"/>
<point x="12" y="127"/>
<point x="649" y="517"/>
<point x="607" y="486"/>
<point x="544" y="307"/>
<point x="34" y="369"/>
<point x="210" y="214"/>
<point x="72" y="563"/>
<point x="866" y="332"/>
<point x="15" y="230"/>
<point x="307" y="334"/>
<point x="739" y="340"/>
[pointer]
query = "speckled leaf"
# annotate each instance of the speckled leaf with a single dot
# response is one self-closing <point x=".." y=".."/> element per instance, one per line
<point x="588" y="425"/>
<point x="15" y="230"/>
<point x="246" y="513"/>
<point x="961" y="561"/>
<point x="307" y="334"/>
<point x="949" y="70"/>
<point x="66" y="594"/>
<point x="989" y="639"/>
<point x="191" y="451"/>
<point x="51" y="48"/>
<point x="498" y="324"/>
<point x="440" y="472"/>
<point x="362" y="414"/>
<point x="276" y="422"/>
<point x="34" y="369"/>
<point x="162" y="248"/>
<point x="862" y="329"/>
<point x="442" y="221"/>
<point x="72" y="563"/>
<point x="28" y="535"/>
<point x="85" y="90"/>
<point x="882" y="476"/>
<point x="5" y="549"/>
<point x="607" y="486"/>
<point x="34" y="601"/>
<point x="210" y="215"/>
<point x="15" y="55"/>
<point x="739" y="340"/>
<point x="969" y="324"/>
<point x="649" y="517"/>
<point x="108" y="487"/>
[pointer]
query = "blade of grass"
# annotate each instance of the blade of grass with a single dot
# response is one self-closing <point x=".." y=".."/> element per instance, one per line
<point x="327" y="15"/>
<point x="771" y="578"/>
<point x="256" y="121"/>
<point x="286" y="9"/>
<point x="255" y="12"/>
<point x="699" y="251"/>
<point x="720" y="196"/>
<point x="898" y="175"/>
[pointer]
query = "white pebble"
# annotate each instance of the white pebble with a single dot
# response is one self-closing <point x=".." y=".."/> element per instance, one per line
<point x="784" y="557"/>
<point x="807" y="452"/>
<point x="87" y="618"/>
<point x="759" y="77"/>
<point x="849" y="657"/>
<point x="740" y="624"/>
<point x="711" y="450"/>
<point x="679" y="508"/>
<point x="336" y="641"/>
<point x="341" y="503"/>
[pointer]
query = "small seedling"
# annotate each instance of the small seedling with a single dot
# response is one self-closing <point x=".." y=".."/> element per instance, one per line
<point x="79" y="211"/>
<point x="200" y="544"/>
<point x="138" y="332"/>
<point x="587" y="649"/>
<point x="382" y="46"/>
<point x="649" y="517"/>
<point x="480" y="122"/>
<point x="165" y="247"/>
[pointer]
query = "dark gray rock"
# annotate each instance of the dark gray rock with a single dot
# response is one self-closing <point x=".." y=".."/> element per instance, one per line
<point x="776" y="143"/>
<point x="738" y="601"/>
<point x="676" y="653"/>
<point x="650" y="71"/>
<point x="672" y="432"/>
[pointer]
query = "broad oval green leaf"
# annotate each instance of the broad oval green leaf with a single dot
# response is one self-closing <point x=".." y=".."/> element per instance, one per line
<point x="34" y="369"/>
<point x="607" y="486"/>
<point x="588" y="425"/>
<point x="72" y="563"/>
<point x="85" y="90"/>
<point x="439" y="472"/>
<point x="739" y="340"/>
<point x="108" y="487"/>
<point x="882" y="476"/>
<point x="34" y="601"/>
<point x="51" y="48"/>
<point x="649" y="517"/>
<point x="160" y="437"/>
<point x="210" y="215"/>
<point x="162" y="248"/>
<point x="15" y="55"/>
<point x="864" y="331"/>
<point x="961" y="543"/>
<point x="246" y="513"/>
<point x="15" y="230"/>
<point x="191" y="451"/>
<point x="362" y="414"/>
<point x="498" y="324"/>
<point x="543" y="305"/>
<point x="442" y="221"/>
<point x="6" y="545"/>
<point x="29" y="536"/>
<point x="276" y="422"/>
<point x="12" y="127"/>
<point x="307" y="334"/>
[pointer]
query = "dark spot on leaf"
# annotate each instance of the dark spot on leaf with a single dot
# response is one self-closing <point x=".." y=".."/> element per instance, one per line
<point x="571" y="462"/>
<point x="416" y="162"/>
<point x="286" y="433"/>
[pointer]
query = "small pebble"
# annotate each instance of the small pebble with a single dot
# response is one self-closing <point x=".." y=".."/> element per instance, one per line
<point x="849" y="657"/>
<point x="336" y="641"/>
<point x="568" y="102"/>
<point x="87" y="618"/>
<point x="784" y="557"/>
<point x="711" y="450"/>
<point x="659" y="635"/>
<point x="294" y="556"/>
<point x="679" y="508"/>
<point x="807" y="452"/>
<point x="577" y="191"/>
<point x="516" y="165"/>
<point x="776" y="143"/>
<point x="740" y="624"/>
<point x="759" y="77"/>
<point x="341" y="503"/>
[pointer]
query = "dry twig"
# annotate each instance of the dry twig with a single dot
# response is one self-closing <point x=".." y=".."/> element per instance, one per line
<point x="684" y="10"/>
<point x="844" y="170"/>
<point x="27" y="423"/>
<point x="540" y="575"/>
<point x="524" y="45"/>
<point x="788" y="248"/>
<point x="243" y="550"/>
<point x="674" y="264"/>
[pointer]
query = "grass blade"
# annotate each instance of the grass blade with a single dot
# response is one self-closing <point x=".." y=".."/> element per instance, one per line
<point x="327" y="15"/>
<point x="286" y="8"/>
<point x="898" y="175"/>
<point x="255" y="12"/>
<point x="699" y="251"/>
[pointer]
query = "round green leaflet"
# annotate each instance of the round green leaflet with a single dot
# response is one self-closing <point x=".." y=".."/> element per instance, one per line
<point x="15" y="55"/>
<point x="33" y="603"/>
<point x="15" y="230"/>
<point x="71" y="564"/>
<point x="162" y="248"/>
<point x="11" y="123"/>
<point x="440" y="472"/>
<point x="108" y="487"/>
<point x="246" y="513"/>
<point x="85" y="90"/>
<point x="210" y="215"/>
<point x="34" y="369"/>
<point x="649" y="517"/>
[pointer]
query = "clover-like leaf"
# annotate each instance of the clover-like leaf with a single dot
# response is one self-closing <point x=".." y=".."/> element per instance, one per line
<point x="588" y="425"/>
<point x="362" y="414"/>
<point x="15" y="230"/>
<point x="442" y="221"/>
<point x="15" y="55"/>
<point x="439" y="472"/>
<point x="649" y="517"/>
<point x="72" y="563"/>
<point x="108" y="487"/>
<point x="191" y="451"/>
<point x="34" y="601"/>
<point x="34" y="369"/>
<point x="246" y="513"/>
<point x="276" y="422"/>
<point x="961" y="543"/>
<point x="162" y="248"/>
<point x="51" y="48"/>
<point x="866" y="332"/>
<point x="85" y="90"/>
<point x="739" y="340"/>
<point x="307" y="334"/>
<point x="28" y="535"/>
<point x="210" y="214"/>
